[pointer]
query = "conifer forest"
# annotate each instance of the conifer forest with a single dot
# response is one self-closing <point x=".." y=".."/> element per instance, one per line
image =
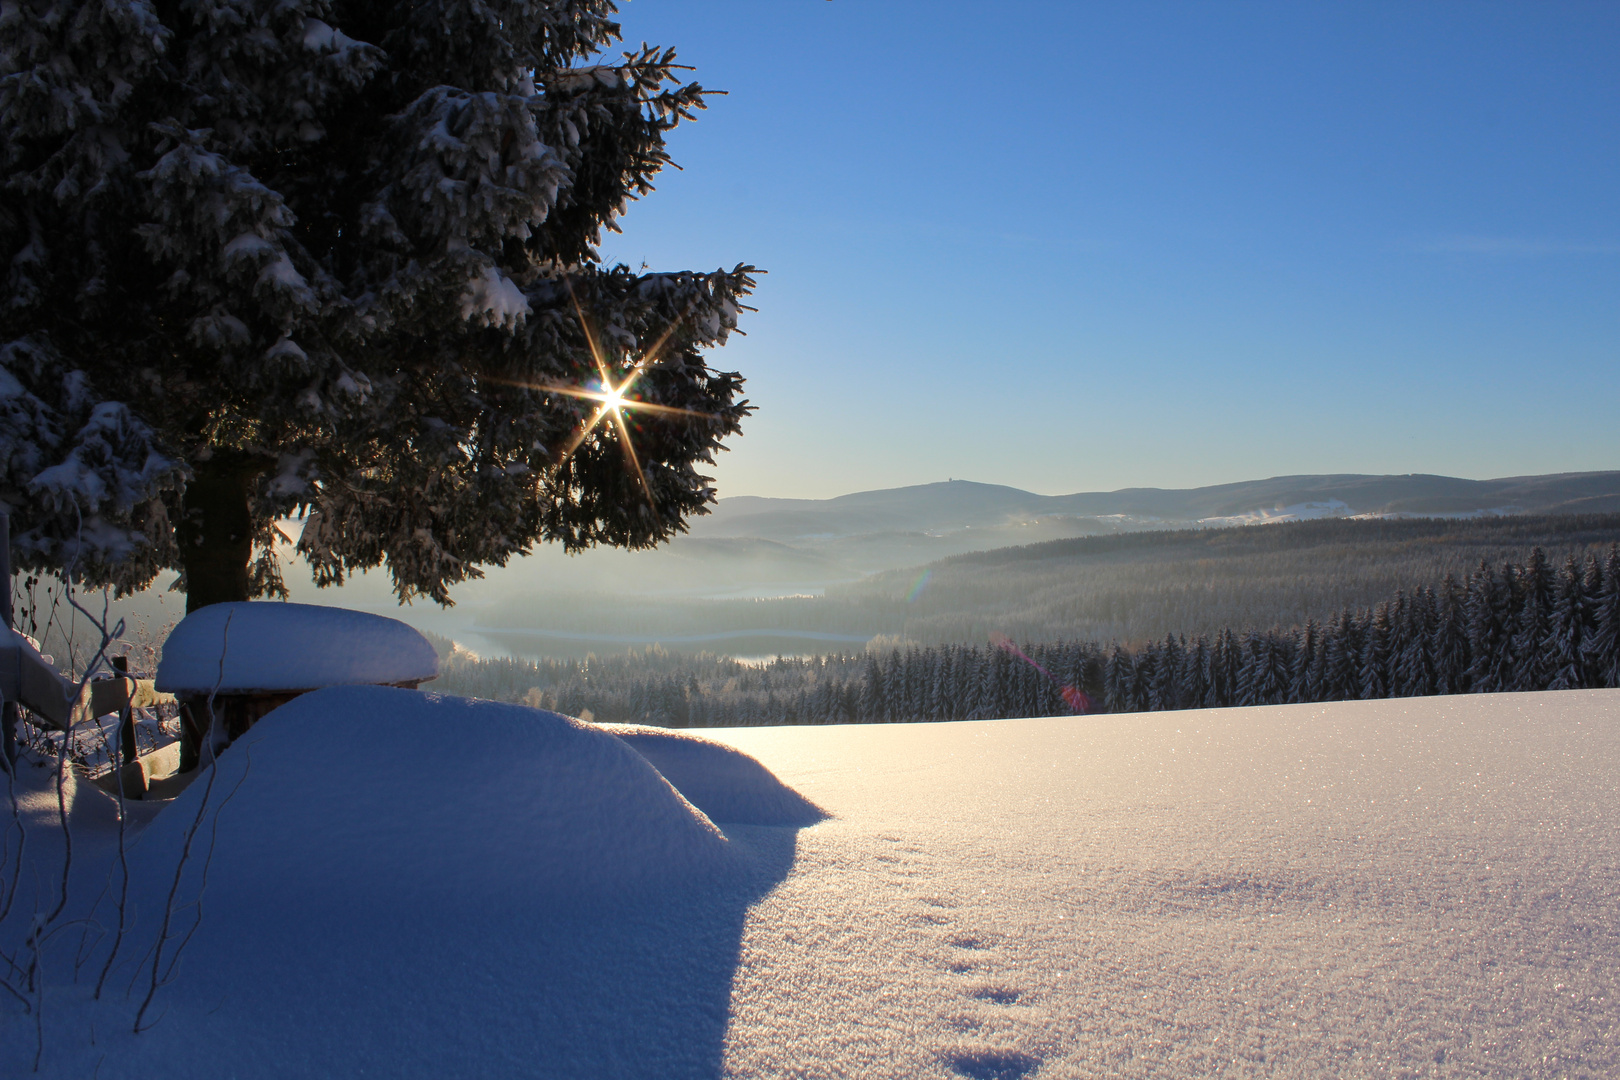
<point x="1517" y="626"/>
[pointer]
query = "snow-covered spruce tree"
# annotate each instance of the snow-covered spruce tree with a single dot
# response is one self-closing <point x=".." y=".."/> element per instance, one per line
<point x="1449" y="640"/>
<point x="1142" y="678"/>
<point x="1221" y="689"/>
<point x="339" y="257"/>
<point x="1568" y="627"/>
<point x="1164" y="690"/>
<point x="1194" y="665"/>
<point x="1601" y="647"/>
<point x="1532" y="626"/>
<point x="1485" y="608"/>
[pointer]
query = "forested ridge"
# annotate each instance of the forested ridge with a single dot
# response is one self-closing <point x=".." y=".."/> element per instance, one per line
<point x="1131" y="587"/>
<point x="1513" y="627"/>
<point x="1138" y="587"/>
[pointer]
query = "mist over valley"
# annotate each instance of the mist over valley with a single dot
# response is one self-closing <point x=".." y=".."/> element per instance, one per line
<point x="955" y="561"/>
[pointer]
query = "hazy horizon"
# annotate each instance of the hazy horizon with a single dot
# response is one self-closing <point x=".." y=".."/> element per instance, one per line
<point x="1147" y="486"/>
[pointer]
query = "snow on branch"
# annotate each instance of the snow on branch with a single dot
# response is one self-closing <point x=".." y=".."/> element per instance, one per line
<point x="493" y="300"/>
<point x="473" y="169"/>
<point x="83" y="477"/>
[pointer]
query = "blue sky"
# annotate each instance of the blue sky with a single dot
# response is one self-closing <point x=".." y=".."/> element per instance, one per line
<point x="1070" y="246"/>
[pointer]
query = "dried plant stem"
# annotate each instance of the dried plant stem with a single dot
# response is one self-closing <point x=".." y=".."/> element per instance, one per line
<point x="159" y="973"/>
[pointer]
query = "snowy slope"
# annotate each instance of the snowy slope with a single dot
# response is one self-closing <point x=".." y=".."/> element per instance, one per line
<point x="408" y="885"/>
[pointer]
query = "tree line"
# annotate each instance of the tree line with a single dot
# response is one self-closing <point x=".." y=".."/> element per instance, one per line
<point x="1522" y="626"/>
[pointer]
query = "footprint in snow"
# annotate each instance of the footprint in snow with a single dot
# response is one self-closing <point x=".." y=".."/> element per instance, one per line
<point x="986" y="1063"/>
<point x="999" y="995"/>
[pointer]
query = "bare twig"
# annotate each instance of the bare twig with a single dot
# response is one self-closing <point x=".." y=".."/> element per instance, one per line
<point x="207" y="866"/>
<point x="122" y="903"/>
<point x="29" y="968"/>
<point x="159" y="973"/>
<point x="8" y="888"/>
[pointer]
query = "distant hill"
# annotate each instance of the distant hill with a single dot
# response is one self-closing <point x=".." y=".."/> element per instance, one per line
<point x="961" y="504"/>
<point x="735" y="571"/>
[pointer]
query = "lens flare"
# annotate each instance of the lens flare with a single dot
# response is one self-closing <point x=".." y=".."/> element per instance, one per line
<point x="918" y="586"/>
<point x="1075" y="698"/>
<point x="612" y="399"/>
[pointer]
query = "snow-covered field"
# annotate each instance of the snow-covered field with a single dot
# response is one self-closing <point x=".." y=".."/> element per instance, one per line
<point x="405" y="885"/>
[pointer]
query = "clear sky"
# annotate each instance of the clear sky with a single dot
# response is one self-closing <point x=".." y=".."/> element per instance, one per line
<point x="1075" y="246"/>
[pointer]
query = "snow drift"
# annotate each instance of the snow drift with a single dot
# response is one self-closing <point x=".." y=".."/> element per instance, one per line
<point x="722" y="781"/>
<point x="381" y="877"/>
<point x="380" y="794"/>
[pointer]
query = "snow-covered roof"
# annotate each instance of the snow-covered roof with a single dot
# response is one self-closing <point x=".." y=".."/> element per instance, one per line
<point x="269" y="646"/>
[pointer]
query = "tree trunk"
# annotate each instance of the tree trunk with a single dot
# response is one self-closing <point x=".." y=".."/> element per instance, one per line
<point x="216" y="530"/>
<point x="216" y="545"/>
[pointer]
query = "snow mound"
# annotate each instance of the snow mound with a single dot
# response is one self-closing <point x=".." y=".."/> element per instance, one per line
<point x="370" y="795"/>
<point x="726" y="784"/>
<point x="271" y="646"/>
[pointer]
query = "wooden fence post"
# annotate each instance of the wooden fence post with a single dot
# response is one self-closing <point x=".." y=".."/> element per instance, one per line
<point x="131" y="779"/>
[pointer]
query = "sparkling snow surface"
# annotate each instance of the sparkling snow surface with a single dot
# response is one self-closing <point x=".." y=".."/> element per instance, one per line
<point x="269" y="645"/>
<point x="407" y="885"/>
<point x="1395" y="888"/>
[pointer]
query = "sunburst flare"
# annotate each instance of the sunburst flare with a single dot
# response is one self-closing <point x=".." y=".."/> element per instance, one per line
<point x="613" y="401"/>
